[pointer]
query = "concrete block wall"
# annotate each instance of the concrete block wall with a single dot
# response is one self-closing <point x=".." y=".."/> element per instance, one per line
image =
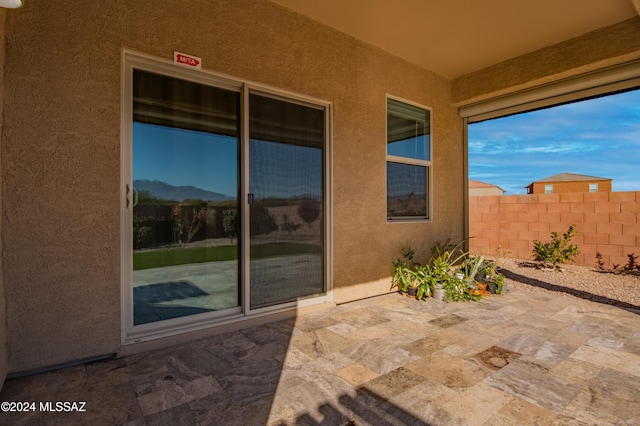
<point x="606" y="222"/>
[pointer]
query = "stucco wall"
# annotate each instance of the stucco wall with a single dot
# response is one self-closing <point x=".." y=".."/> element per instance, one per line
<point x="3" y="316"/>
<point x="61" y="151"/>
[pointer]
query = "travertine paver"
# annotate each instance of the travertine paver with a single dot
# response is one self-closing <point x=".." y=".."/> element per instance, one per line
<point x="522" y="358"/>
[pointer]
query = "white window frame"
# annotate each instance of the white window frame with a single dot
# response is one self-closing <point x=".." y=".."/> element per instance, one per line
<point x="548" y="189"/>
<point x="593" y="187"/>
<point x="411" y="161"/>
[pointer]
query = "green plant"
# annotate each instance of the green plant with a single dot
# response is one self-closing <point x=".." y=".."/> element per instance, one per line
<point x="230" y="222"/>
<point x="404" y="268"/>
<point x="455" y="289"/>
<point x="424" y="276"/>
<point x="499" y="282"/>
<point x="142" y="230"/>
<point x="474" y="269"/>
<point x="558" y="251"/>
<point x="444" y="257"/>
<point x="438" y="271"/>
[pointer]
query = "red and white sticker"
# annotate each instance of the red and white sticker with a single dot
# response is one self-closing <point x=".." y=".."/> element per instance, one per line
<point x="188" y="61"/>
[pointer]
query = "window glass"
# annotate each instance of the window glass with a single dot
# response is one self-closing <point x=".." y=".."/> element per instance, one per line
<point x="286" y="180"/>
<point x="548" y="189"/>
<point x="408" y="161"/>
<point x="406" y="190"/>
<point x="185" y="157"/>
<point x="593" y="187"/>
<point x="408" y="130"/>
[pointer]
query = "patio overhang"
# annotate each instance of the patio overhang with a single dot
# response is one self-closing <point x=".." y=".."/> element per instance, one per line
<point x="455" y="37"/>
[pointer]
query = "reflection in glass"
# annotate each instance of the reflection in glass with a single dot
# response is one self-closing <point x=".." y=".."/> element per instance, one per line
<point x="406" y="190"/>
<point x="408" y="131"/>
<point x="185" y="215"/>
<point x="286" y="217"/>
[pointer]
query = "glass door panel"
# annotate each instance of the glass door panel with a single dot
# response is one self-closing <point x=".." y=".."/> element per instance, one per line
<point x="286" y="175"/>
<point x="185" y="195"/>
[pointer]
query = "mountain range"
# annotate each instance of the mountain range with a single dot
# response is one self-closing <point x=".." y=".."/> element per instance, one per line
<point x="166" y="191"/>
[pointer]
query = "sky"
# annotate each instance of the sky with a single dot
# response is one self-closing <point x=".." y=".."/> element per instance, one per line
<point x="208" y="161"/>
<point x="185" y="158"/>
<point x="597" y="137"/>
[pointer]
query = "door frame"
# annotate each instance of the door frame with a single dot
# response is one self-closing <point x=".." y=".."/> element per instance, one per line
<point x="131" y="334"/>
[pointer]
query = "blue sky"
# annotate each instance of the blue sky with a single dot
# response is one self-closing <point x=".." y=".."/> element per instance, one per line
<point x="208" y="161"/>
<point x="185" y="157"/>
<point x="597" y="137"/>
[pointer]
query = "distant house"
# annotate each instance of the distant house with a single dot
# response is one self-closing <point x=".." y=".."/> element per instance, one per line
<point x="477" y="188"/>
<point x="569" y="182"/>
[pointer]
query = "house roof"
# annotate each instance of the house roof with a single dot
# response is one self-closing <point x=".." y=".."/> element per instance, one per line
<point x="478" y="184"/>
<point x="457" y="37"/>
<point x="570" y="177"/>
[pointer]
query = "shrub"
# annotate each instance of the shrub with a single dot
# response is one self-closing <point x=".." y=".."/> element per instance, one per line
<point x="632" y="267"/>
<point x="558" y="251"/>
<point x="309" y="210"/>
<point x="404" y="268"/>
<point x="230" y="222"/>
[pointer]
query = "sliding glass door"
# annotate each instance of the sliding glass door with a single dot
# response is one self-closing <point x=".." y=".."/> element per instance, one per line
<point x="185" y="143"/>
<point x="224" y="201"/>
<point x="286" y="185"/>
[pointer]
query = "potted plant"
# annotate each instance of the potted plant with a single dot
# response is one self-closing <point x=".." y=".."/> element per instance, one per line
<point x="499" y="285"/>
<point x="403" y="273"/>
<point x="409" y="276"/>
<point x="424" y="277"/>
<point x="473" y="275"/>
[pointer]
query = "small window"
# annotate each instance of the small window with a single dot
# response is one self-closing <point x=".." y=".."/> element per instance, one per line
<point x="593" y="187"/>
<point x="408" y="161"/>
<point x="548" y="189"/>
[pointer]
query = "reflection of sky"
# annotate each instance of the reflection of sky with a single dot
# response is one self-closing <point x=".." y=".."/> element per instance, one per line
<point x="598" y="137"/>
<point x="185" y="157"/>
<point x="207" y="161"/>
<point x="416" y="147"/>
<point x="282" y="170"/>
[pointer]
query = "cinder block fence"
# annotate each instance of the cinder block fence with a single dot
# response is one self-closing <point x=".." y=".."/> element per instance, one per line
<point x="606" y="222"/>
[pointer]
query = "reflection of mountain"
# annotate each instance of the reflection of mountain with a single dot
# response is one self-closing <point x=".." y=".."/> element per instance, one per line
<point x="178" y="193"/>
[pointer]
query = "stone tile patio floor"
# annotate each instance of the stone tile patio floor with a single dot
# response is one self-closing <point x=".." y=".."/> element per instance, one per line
<point x="520" y="359"/>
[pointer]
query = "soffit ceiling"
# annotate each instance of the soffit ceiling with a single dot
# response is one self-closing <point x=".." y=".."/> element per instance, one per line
<point x="456" y="37"/>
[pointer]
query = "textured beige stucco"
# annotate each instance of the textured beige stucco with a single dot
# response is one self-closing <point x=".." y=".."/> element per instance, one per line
<point x="3" y="314"/>
<point x="604" y="47"/>
<point x="61" y="150"/>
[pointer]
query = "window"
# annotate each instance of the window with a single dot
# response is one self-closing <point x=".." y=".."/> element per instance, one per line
<point x="408" y="161"/>
<point x="593" y="187"/>
<point x="548" y="189"/>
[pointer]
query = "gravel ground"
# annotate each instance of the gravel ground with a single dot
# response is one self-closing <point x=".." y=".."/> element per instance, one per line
<point x="621" y="290"/>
